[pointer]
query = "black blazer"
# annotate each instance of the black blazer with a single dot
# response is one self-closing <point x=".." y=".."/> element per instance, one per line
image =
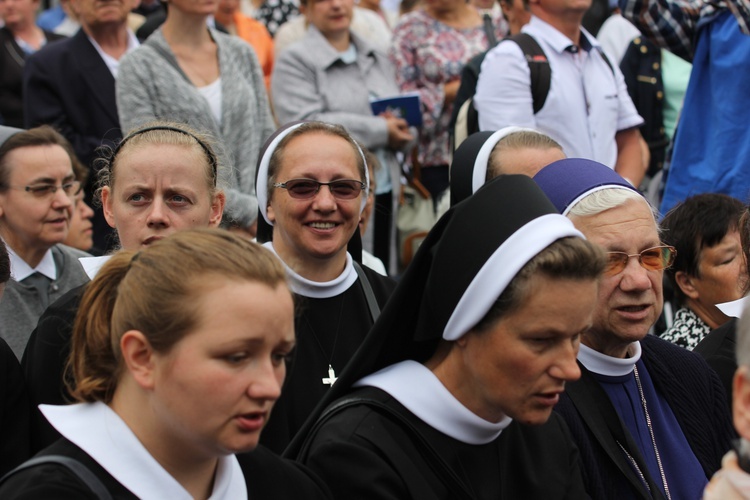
<point x="68" y="85"/>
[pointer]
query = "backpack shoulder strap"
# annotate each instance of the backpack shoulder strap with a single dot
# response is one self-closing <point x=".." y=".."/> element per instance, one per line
<point x="372" y="302"/>
<point x="82" y="472"/>
<point x="541" y="73"/>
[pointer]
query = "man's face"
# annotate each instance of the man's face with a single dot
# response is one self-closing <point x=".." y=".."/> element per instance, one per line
<point x="630" y="301"/>
<point x="98" y="13"/>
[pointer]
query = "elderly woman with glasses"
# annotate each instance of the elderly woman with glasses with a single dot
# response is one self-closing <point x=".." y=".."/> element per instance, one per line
<point x="37" y="191"/>
<point x="649" y="417"/>
<point x="312" y="186"/>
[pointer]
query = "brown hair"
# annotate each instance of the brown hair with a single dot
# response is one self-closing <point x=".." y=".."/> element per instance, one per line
<point x="154" y="292"/>
<point x="38" y="136"/>
<point x="274" y="164"/>
<point x="160" y="133"/>
<point x="567" y="258"/>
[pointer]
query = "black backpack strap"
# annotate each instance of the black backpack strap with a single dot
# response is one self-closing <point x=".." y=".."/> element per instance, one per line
<point x="442" y="470"/>
<point x="82" y="472"/>
<point x="489" y="29"/>
<point x="541" y="73"/>
<point x="372" y="302"/>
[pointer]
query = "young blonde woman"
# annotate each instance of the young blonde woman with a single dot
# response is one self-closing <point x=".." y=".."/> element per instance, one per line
<point x="178" y="355"/>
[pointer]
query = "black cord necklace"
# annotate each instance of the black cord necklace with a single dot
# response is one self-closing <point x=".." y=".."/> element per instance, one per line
<point x="331" y="378"/>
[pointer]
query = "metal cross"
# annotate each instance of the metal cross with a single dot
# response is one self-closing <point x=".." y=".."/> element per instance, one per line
<point x="331" y="379"/>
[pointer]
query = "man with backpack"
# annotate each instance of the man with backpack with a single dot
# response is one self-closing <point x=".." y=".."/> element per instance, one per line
<point x="567" y="89"/>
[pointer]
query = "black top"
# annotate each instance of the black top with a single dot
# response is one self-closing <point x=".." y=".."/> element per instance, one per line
<point x="14" y="412"/>
<point x="328" y="331"/>
<point x="12" y="60"/>
<point x="44" y="362"/>
<point x="719" y="349"/>
<point x="267" y="476"/>
<point x="362" y="453"/>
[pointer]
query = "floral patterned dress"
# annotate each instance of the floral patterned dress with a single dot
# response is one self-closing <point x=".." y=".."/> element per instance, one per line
<point x="428" y="54"/>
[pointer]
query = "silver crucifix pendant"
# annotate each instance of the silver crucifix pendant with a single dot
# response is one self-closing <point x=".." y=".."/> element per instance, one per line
<point x="331" y="379"/>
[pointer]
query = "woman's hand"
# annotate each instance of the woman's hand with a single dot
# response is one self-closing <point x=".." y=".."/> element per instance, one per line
<point x="398" y="132"/>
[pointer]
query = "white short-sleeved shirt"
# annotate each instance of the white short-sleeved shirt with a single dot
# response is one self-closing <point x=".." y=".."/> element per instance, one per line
<point x="587" y="104"/>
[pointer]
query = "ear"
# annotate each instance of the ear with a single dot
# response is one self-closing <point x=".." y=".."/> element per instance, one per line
<point x="270" y="213"/>
<point x="686" y="284"/>
<point x="217" y="209"/>
<point x="138" y="356"/>
<point x="741" y="401"/>
<point x="109" y="215"/>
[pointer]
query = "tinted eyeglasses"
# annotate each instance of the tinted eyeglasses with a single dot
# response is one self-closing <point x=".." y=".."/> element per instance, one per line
<point x="302" y="189"/>
<point x="652" y="259"/>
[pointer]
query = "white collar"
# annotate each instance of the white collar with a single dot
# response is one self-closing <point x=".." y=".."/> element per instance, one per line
<point x="20" y="270"/>
<point x="92" y="265"/>
<point x="101" y="433"/>
<point x="596" y="362"/>
<point x="114" y="64"/>
<point x="316" y="289"/>
<point x="418" y="389"/>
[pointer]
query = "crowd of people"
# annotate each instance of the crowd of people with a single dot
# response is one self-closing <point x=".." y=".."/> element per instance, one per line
<point x="204" y="291"/>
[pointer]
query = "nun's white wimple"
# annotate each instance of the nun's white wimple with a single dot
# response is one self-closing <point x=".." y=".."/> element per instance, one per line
<point x="502" y="266"/>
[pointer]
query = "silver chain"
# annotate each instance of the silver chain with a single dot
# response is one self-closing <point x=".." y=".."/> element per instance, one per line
<point x="651" y="431"/>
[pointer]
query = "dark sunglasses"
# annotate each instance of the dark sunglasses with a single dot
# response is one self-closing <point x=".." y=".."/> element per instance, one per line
<point x="301" y="189"/>
<point x="652" y="259"/>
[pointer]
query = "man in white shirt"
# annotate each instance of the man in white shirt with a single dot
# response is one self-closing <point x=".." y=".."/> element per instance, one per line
<point x="587" y="109"/>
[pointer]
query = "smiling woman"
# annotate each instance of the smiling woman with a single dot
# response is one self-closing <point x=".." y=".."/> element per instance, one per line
<point x="196" y="329"/>
<point x="313" y="184"/>
<point x="37" y="185"/>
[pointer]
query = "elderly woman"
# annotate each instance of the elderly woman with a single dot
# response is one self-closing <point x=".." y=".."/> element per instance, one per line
<point x="312" y="183"/>
<point x="451" y="395"/>
<point x="195" y="328"/>
<point x="189" y="73"/>
<point x="161" y="179"/>
<point x="709" y="268"/>
<point x="37" y="191"/>
<point x="331" y="75"/>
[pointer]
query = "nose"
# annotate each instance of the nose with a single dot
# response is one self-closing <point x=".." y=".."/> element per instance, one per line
<point x="566" y="367"/>
<point x="266" y="382"/>
<point x="61" y="200"/>
<point x="157" y="216"/>
<point x="86" y="211"/>
<point x="635" y="277"/>
<point x="324" y="200"/>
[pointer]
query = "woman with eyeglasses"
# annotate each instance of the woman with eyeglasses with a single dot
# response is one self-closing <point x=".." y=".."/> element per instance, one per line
<point x="162" y="178"/>
<point x="37" y="190"/>
<point x="312" y="185"/>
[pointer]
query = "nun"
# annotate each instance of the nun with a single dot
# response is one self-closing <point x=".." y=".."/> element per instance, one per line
<point x="312" y="187"/>
<point x="451" y="394"/>
<point x="510" y="150"/>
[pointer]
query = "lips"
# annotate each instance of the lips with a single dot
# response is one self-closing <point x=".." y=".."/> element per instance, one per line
<point x="322" y="225"/>
<point x="634" y="312"/>
<point x="251" y="422"/>
<point x="151" y="239"/>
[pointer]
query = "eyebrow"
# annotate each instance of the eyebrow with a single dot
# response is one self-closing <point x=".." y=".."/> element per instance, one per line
<point x="51" y="180"/>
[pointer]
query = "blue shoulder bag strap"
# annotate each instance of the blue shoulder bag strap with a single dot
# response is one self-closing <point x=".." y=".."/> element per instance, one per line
<point x="77" y="468"/>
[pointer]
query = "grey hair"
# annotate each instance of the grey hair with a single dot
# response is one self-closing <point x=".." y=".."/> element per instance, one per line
<point x="606" y="199"/>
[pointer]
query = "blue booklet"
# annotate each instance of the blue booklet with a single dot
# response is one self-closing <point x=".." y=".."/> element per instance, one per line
<point x="404" y="106"/>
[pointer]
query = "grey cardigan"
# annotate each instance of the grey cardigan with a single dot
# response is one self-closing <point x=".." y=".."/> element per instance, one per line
<point x="20" y="307"/>
<point x="310" y="82"/>
<point x="150" y="87"/>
